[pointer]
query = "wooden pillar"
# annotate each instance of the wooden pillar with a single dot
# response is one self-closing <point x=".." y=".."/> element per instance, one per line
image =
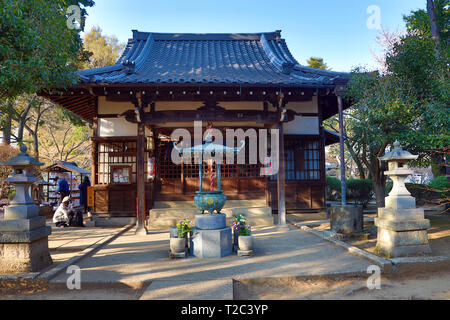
<point x="140" y="178"/>
<point x="341" y="149"/>
<point x="281" y="181"/>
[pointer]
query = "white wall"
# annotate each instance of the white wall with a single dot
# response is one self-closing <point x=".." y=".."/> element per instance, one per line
<point x="116" y="127"/>
<point x="302" y="125"/>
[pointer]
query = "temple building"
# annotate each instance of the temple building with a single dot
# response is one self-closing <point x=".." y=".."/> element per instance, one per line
<point x="165" y="81"/>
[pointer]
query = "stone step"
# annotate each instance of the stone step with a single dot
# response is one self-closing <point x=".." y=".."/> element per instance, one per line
<point x="169" y="217"/>
<point x="112" y="221"/>
<point x="190" y="204"/>
<point x="221" y="289"/>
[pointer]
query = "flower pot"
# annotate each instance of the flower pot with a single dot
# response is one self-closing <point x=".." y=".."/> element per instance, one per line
<point x="245" y="243"/>
<point x="177" y="245"/>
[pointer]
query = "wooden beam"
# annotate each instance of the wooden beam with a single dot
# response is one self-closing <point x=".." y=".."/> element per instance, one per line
<point x="94" y="145"/>
<point x="140" y="178"/>
<point x="281" y="181"/>
<point x="161" y="117"/>
<point x="341" y="149"/>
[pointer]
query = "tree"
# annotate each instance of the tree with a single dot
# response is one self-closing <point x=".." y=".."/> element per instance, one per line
<point x="408" y="102"/>
<point x="435" y="33"/>
<point x="37" y="49"/>
<point x="316" y="63"/>
<point x="353" y="147"/>
<point x="61" y="139"/>
<point x="386" y="40"/>
<point x="431" y="23"/>
<point x="6" y="152"/>
<point x="104" y="50"/>
<point x="26" y="113"/>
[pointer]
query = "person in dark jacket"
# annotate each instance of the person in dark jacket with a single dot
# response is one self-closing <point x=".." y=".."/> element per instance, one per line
<point x="63" y="188"/>
<point x="83" y="193"/>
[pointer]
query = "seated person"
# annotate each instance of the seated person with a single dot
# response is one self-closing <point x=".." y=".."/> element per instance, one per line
<point x="61" y="216"/>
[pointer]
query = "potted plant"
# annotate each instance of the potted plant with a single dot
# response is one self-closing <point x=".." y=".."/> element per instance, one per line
<point x="236" y="222"/>
<point x="243" y="230"/>
<point x="178" y="244"/>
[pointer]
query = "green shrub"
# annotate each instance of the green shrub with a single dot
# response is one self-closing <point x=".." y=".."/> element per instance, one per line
<point x="360" y="190"/>
<point x="439" y="183"/>
<point x="333" y="189"/>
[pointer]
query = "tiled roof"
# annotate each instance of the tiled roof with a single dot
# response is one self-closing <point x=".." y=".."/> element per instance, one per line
<point x="228" y="59"/>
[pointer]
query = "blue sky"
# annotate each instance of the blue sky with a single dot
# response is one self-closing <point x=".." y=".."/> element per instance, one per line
<point x="335" y="30"/>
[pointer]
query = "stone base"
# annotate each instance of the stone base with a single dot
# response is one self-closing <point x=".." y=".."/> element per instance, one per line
<point x="402" y="238"/>
<point x="17" y="212"/>
<point x="24" y="257"/>
<point x="210" y="222"/>
<point x="402" y="251"/>
<point x="22" y="225"/>
<point x="212" y="243"/>
<point x="244" y="253"/>
<point x="400" y="214"/>
<point x="12" y="237"/>
<point x="179" y="255"/>
<point x="400" y="202"/>
<point x="346" y="219"/>
<point x="90" y="224"/>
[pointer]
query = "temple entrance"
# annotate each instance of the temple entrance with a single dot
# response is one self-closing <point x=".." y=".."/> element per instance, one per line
<point x="181" y="181"/>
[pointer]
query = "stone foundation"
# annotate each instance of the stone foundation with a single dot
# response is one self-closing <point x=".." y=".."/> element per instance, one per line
<point x="24" y="257"/>
<point x="346" y="219"/>
<point x="402" y="232"/>
<point x="212" y="243"/>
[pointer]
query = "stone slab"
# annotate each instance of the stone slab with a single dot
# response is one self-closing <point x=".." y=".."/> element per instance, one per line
<point x="402" y="225"/>
<point x="190" y="204"/>
<point x="402" y="238"/>
<point x="24" y="257"/>
<point x="400" y="202"/>
<point x="212" y="243"/>
<point x="189" y="290"/>
<point x="403" y="251"/>
<point x="400" y="214"/>
<point x="16" y="212"/>
<point x="168" y="217"/>
<point x="424" y="264"/>
<point x="114" y="221"/>
<point x="22" y="224"/>
<point x="248" y="211"/>
<point x="25" y="237"/>
<point x="245" y="253"/>
<point x="90" y="224"/>
<point x="178" y="255"/>
<point x="210" y="222"/>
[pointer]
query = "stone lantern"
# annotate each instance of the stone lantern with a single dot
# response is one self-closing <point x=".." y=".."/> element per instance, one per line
<point x="402" y="229"/>
<point x="23" y="233"/>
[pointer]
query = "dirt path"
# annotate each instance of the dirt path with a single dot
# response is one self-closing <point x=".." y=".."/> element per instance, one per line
<point x="434" y="286"/>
